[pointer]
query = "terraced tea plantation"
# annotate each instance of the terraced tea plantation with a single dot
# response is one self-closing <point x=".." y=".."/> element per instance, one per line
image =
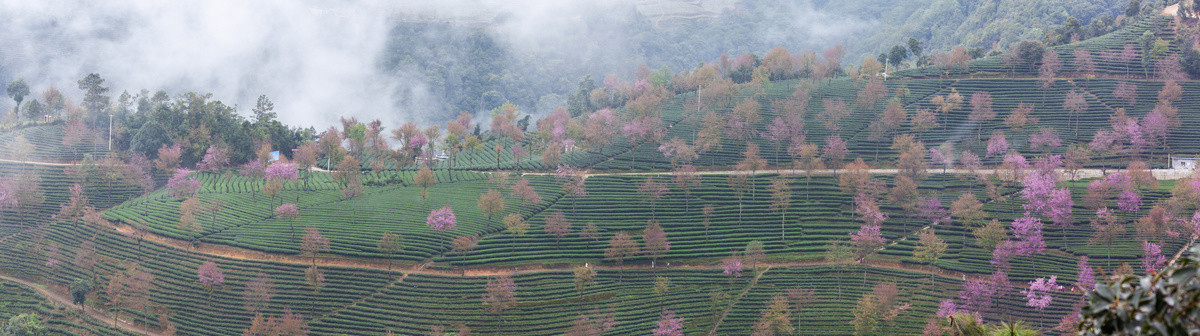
<point x="815" y="206"/>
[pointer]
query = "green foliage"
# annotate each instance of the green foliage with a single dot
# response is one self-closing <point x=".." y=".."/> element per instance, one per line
<point x="1163" y="303"/>
<point x="149" y="138"/>
<point x="897" y="54"/>
<point x="95" y="98"/>
<point x="17" y="90"/>
<point x="25" y="325"/>
<point x="79" y="290"/>
<point x="963" y="324"/>
<point x="34" y="109"/>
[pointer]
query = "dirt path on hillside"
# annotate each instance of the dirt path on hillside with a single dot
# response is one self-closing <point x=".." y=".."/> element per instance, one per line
<point x="40" y="163"/>
<point x="478" y="271"/>
<point x="734" y="301"/>
<point x="1160" y="174"/>
<point x="63" y="300"/>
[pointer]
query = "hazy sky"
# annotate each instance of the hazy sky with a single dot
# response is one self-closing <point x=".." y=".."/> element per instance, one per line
<point x="316" y="59"/>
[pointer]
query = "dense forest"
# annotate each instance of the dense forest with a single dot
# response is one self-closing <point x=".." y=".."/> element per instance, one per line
<point x="473" y="66"/>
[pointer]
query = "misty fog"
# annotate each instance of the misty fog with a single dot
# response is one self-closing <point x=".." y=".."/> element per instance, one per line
<point x="318" y="60"/>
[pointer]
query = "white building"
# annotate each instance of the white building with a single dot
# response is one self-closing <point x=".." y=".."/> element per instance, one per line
<point x="1184" y="163"/>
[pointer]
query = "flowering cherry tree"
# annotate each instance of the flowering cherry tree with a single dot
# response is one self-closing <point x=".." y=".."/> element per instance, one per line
<point x="279" y="170"/>
<point x="499" y="293"/>
<point x="558" y="226"/>
<point x="1039" y="290"/>
<point x="181" y="185"/>
<point x="668" y="324"/>
<point x="834" y="150"/>
<point x="1087" y="279"/>
<point x="1152" y="257"/>
<point x="997" y="144"/>
<point x="868" y="208"/>
<point x="1028" y="232"/>
<point x="313" y="243"/>
<point x="1038" y="294"/>
<point x="1044" y="140"/>
<point x="524" y="192"/>
<point x="977" y="295"/>
<point x="216" y="157"/>
<point x="1043" y="199"/>
<point x="287" y="211"/>
<point x="441" y="220"/>
<point x="210" y="275"/>
<point x="930" y="208"/>
<point x="732" y="266"/>
<point x="8" y="193"/>
<point x="656" y="242"/>
<point x="866" y="240"/>
<point x="653" y="191"/>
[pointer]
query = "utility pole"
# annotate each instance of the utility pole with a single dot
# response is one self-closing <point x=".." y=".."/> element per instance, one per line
<point x="110" y="118"/>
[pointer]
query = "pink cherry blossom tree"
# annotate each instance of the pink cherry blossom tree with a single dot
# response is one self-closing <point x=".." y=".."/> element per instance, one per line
<point x="868" y="209"/>
<point x="930" y="208"/>
<point x="1152" y="257"/>
<point x="668" y="324"/>
<point x="1127" y="91"/>
<point x="558" y="226"/>
<point x="1083" y="61"/>
<point x="1044" y="140"/>
<point x="1155" y="125"/>
<point x="314" y="242"/>
<point x="644" y="129"/>
<point x="1075" y="104"/>
<point x="1086" y="279"/>
<point x="279" y="170"/>
<point x="1028" y="232"/>
<point x="290" y="212"/>
<point x="181" y="185"/>
<point x="943" y="155"/>
<point x="210" y="275"/>
<point x="784" y="129"/>
<point x="441" y="220"/>
<point x="656" y="242"/>
<point x="523" y="191"/>
<point x="978" y="294"/>
<point x="500" y="294"/>
<point x="653" y="191"/>
<point x="1038" y="294"/>
<point x="981" y="111"/>
<point x="997" y="144"/>
<point x="866" y="241"/>
<point x="1043" y="199"/>
<point x="835" y="150"/>
<point x="215" y="158"/>
<point x="732" y="266"/>
<point x="8" y="193"/>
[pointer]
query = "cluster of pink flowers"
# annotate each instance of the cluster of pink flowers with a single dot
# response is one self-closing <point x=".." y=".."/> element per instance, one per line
<point x="1152" y="258"/>
<point x="210" y="275"/>
<point x="280" y="170"/>
<point x="668" y="324"/>
<point x="181" y="185"/>
<point x="1039" y="290"/>
<point x="442" y="219"/>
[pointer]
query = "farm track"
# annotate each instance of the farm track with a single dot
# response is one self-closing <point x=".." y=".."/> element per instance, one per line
<point x="250" y="255"/>
<point x="1161" y="174"/>
<point x="754" y="282"/>
<point x="63" y="300"/>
